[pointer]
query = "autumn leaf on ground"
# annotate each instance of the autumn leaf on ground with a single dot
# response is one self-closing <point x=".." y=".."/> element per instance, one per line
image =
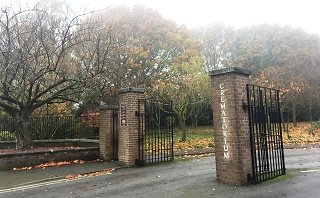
<point x="23" y="168"/>
<point x="73" y="176"/>
<point x="300" y="134"/>
<point x="50" y="164"/>
<point x="197" y="155"/>
<point x="107" y="171"/>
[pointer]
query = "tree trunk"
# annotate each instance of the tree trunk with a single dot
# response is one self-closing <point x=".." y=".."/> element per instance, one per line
<point x="285" y="129"/>
<point x="183" y="130"/>
<point x="23" y="132"/>
<point x="311" y="121"/>
<point x="294" y="114"/>
<point x="288" y="120"/>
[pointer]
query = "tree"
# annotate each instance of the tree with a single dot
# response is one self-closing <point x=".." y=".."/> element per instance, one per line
<point x="284" y="55"/>
<point x="147" y="45"/>
<point x="218" y="45"/>
<point x="202" y="109"/>
<point x="186" y="85"/>
<point x="311" y="96"/>
<point x="144" y="46"/>
<point x="54" y="109"/>
<point x="38" y="64"/>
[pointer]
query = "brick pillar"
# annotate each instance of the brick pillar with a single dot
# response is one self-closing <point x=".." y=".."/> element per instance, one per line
<point x="231" y="125"/>
<point x="106" y="139"/>
<point x="128" y="124"/>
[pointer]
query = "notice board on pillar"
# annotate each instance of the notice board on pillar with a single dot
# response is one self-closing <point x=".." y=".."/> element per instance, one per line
<point x="123" y="114"/>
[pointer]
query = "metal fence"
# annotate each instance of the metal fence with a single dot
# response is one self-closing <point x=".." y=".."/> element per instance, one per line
<point x="52" y="127"/>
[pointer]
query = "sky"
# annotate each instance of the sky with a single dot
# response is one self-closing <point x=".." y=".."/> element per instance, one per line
<point x="237" y="13"/>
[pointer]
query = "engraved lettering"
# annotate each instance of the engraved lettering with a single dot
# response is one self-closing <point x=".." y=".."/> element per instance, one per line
<point x="224" y="125"/>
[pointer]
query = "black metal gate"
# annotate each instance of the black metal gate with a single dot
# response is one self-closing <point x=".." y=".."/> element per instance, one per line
<point x="155" y="123"/>
<point x="265" y="133"/>
<point x="115" y="134"/>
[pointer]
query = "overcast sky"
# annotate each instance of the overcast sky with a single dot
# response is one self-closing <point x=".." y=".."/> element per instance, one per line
<point x="238" y="13"/>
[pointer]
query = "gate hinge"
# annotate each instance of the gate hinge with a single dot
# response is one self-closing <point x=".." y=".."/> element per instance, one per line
<point x="249" y="177"/>
<point x="244" y="106"/>
<point x="137" y="113"/>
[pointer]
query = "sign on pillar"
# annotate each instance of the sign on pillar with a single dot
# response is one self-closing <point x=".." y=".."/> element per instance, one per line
<point x="123" y="115"/>
<point x="231" y="127"/>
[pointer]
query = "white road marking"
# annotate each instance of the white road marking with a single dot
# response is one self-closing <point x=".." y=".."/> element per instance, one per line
<point x="79" y="177"/>
<point x="310" y="171"/>
<point x="26" y="187"/>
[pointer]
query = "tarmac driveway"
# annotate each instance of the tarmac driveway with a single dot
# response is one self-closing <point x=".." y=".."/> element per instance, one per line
<point x="191" y="178"/>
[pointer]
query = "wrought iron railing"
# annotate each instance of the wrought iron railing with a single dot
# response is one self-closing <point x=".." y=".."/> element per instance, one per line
<point x="51" y="127"/>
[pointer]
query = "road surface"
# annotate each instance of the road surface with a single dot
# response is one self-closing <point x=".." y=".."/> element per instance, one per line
<point x="190" y="178"/>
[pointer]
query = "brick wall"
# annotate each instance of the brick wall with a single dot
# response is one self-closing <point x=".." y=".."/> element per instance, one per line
<point x="24" y="158"/>
<point x="231" y="127"/>
<point x="106" y="139"/>
<point x="128" y="129"/>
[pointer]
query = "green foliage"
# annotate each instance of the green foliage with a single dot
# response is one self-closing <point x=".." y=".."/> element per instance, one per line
<point x="6" y="128"/>
<point x="197" y="137"/>
<point x="314" y="126"/>
<point x="7" y="136"/>
<point x="170" y="120"/>
<point x="195" y="132"/>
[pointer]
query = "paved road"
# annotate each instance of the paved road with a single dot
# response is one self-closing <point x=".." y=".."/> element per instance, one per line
<point x="191" y="178"/>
